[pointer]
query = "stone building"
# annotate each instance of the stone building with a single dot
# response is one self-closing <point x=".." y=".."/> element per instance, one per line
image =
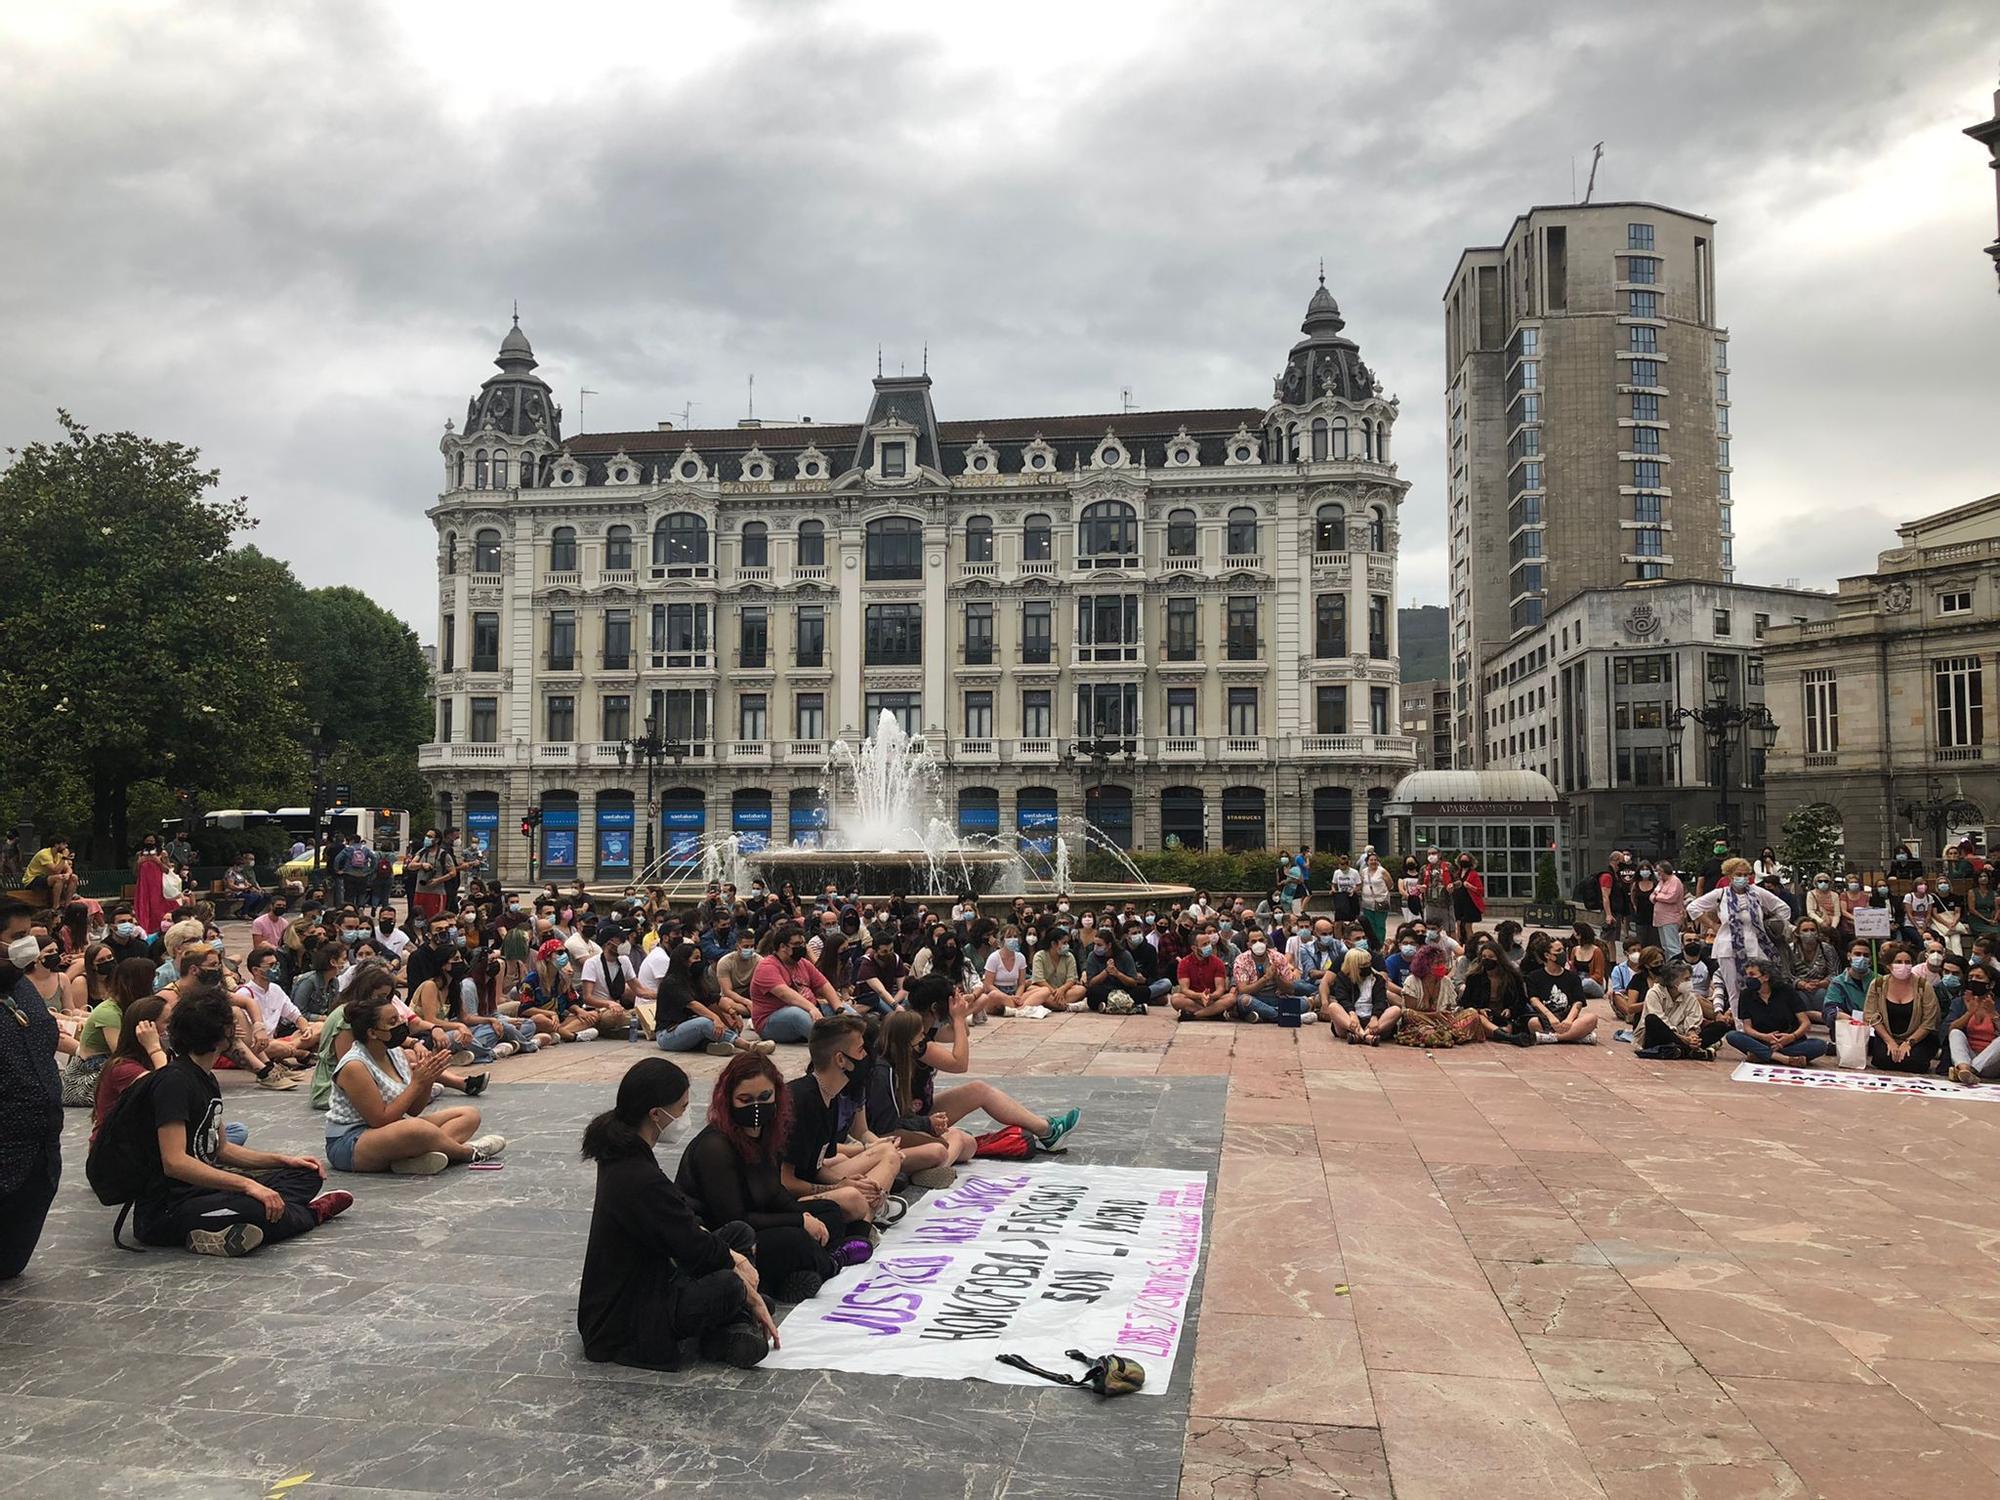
<point x="1882" y="706"/>
<point x="1177" y="624"/>
<point x="1427" y="721"/>
<point x="1586" y="422"/>
<point x="1589" y="700"/>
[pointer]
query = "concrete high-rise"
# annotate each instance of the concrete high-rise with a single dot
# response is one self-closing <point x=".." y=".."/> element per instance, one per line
<point x="1587" y="424"/>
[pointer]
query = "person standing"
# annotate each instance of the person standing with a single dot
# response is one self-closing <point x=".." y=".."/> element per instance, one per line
<point x="1750" y="921"/>
<point x="1376" y="891"/>
<point x="30" y="1096"/>
<point x="1670" y="899"/>
<point x="149" y="902"/>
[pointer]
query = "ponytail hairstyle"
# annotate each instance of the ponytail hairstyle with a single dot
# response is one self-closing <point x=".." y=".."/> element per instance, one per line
<point x="902" y="1034"/>
<point x="650" y="1084"/>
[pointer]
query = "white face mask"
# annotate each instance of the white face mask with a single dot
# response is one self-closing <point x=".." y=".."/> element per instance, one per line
<point x="674" y="1129"/>
<point x="24" y="952"/>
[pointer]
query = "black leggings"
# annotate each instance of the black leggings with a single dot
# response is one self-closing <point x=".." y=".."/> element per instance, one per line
<point x="25" y="1209"/>
<point x="1922" y="1055"/>
<point x="1657" y="1033"/>
<point x="786" y="1248"/>
<point x="189" y="1209"/>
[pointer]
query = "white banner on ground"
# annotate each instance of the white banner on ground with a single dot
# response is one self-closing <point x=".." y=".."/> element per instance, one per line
<point x="1031" y="1258"/>
<point x="1860" y="1083"/>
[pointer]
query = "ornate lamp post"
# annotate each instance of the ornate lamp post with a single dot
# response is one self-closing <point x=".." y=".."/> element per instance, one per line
<point x="1725" y="726"/>
<point x="649" y="750"/>
<point x="1937" y="811"/>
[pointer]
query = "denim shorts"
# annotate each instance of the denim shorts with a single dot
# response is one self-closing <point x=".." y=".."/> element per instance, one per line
<point x="340" y="1148"/>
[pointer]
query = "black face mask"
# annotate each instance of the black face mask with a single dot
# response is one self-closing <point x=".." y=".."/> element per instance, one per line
<point x="754" y="1116"/>
<point x="399" y="1034"/>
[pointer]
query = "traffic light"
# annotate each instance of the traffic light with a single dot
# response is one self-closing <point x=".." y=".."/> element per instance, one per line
<point x="527" y="828"/>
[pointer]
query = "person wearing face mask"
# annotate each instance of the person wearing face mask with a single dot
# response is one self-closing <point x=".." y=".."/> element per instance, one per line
<point x="548" y="997"/>
<point x="30" y="1096"/>
<point x="787" y="992"/>
<point x="732" y="1170"/>
<point x="1676" y="1023"/>
<point x="376" y="1120"/>
<point x="1914" y="921"/>
<point x="1203" y="991"/>
<point x="1749" y="922"/>
<point x="1773" y="1020"/>
<point x="1904" y="1015"/>
<point x="652" y="1275"/>
<point x="1813" y="963"/>
<point x="1947" y="923"/>
<point x="1054" y="983"/>
<point x="1973" y="1033"/>
<point x="1260" y="975"/>
<point x="283" y="1031"/>
<point x="1847" y="993"/>
<point x="1823" y="904"/>
<point x="816" y="1162"/>
<point x="1360" y="1002"/>
<point x="149" y="902"/>
<point x="1670" y="898"/>
<point x="1376" y="891"/>
<point x="1004" y="976"/>
<point x="1856" y="894"/>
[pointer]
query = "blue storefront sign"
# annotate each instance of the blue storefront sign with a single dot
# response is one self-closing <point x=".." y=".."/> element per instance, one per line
<point x="1036" y="821"/>
<point x="750" y="821"/>
<point x="559" y="824"/>
<point x="482" y="823"/>
<point x="808" y="825"/>
<point x="614" y="835"/>
<point x="683" y="823"/>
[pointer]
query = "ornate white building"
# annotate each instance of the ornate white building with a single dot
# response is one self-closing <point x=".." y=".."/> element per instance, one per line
<point x="1179" y="624"/>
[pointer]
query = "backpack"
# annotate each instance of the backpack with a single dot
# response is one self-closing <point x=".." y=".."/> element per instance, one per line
<point x="1008" y="1143"/>
<point x="1119" y="1003"/>
<point x="120" y="1165"/>
<point x="357" y="859"/>
<point x="1587" y="892"/>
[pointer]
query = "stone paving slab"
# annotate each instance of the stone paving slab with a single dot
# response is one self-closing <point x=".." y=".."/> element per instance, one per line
<point x="1550" y="1273"/>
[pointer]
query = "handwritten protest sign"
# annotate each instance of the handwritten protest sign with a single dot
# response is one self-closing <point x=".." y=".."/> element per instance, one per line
<point x="1871" y="921"/>
<point x="1858" y="1083"/>
<point x="1015" y="1259"/>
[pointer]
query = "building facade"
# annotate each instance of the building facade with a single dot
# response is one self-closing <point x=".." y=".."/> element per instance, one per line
<point x="1589" y="699"/>
<point x="1427" y="721"/>
<point x="1987" y="133"/>
<point x="1179" y="625"/>
<point x="1883" y="703"/>
<point x="1586" y="423"/>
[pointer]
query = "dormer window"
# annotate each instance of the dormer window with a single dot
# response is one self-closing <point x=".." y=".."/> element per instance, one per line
<point x="979" y="463"/>
<point x="1109" y="457"/>
<point x="689" y="469"/>
<point x="1038" y="460"/>
<point x="621" y="476"/>
<point x="895" y="460"/>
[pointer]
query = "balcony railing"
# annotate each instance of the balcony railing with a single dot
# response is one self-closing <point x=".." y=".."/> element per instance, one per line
<point x="1180" y="748"/>
<point x="757" y="751"/>
<point x="569" y="578"/>
<point x="809" y="572"/>
<point x="1036" y="749"/>
<point x="1244" y="746"/>
<point x="1039" y="567"/>
<point x="1328" y="562"/>
<point x="976" y="750"/>
<point x="806" y="752"/>
<point x="1961" y="754"/>
<point x="618" y="575"/>
<point x="979" y="570"/>
<point x="753" y="575"/>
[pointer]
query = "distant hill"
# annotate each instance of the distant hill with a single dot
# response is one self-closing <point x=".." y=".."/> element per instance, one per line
<point x="1426" y="642"/>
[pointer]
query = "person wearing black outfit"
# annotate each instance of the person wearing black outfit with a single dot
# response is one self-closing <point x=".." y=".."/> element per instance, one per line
<point x="30" y="1096"/>
<point x="1494" y="990"/>
<point x="1773" y="1021"/>
<point x="1555" y="994"/>
<point x="652" y="1275"/>
<point x="731" y="1171"/>
<point x="206" y="1192"/>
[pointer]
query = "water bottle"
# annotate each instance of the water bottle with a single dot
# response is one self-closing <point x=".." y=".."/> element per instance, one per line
<point x="632" y="1026"/>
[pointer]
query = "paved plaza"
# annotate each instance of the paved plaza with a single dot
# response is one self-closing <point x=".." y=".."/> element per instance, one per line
<point x="1493" y="1272"/>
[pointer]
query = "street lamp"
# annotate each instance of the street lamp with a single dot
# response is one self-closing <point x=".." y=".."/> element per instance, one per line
<point x="1097" y="753"/>
<point x="316" y="747"/>
<point x="1938" y="811"/>
<point x="1723" y="725"/>
<point x="649" y="751"/>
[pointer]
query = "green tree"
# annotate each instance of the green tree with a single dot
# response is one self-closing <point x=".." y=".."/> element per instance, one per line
<point x="137" y="643"/>
<point x="1698" y="840"/>
<point x="1812" y="842"/>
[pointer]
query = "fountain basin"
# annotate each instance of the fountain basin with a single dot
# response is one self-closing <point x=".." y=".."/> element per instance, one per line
<point x="883" y="871"/>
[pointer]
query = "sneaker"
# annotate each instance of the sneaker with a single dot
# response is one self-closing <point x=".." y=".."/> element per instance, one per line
<point x="504" y="1049"/>
<point x="977" y="1018"/>
<point x="766" y="1046"/>
<point x="331" y="1205"/>
<point x="890" y="1210"/>
<point x="739" y="1344"/>
<point x="720" y="1048"/>
<point x="529" y="1049"/>
<point x="1249" y="1016"/>
<point x="937" y="1178"/>
<point x="588" y="1034"/>
<point x="800" y="1286"/>
<point x="1587" y="1040"/>
<point x="1961" y="1074"/>
<point x="1009" y="1012"/>
<point x="476" y="1084"/>
<point x="463" y="1058"/>
<point x="278" y="1081"/>
<point x="1183" y="1015"/>
<point x="237" y="1239"/>
<point x="1060" y="1126"/>
<point x="852" y="1252"/>
<point x="1622" y="1034"/>
<point x="486" y="1147"/>
<point x="427" y="1165"/>
<point x="1544" y="1038"/>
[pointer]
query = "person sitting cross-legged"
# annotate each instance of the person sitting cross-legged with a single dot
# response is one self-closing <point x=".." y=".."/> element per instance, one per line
<point x="1974" y="1035"/>
<point x="817" y="1162"/>
<point x="1053" y="982"/>
<point x="210" y="1194"/>
<point x="685" y="1016"/>
<point x="1773" y="1019"/>
<point x="1360" y="1003"/>
<point x="1204" y="992"/>
<point x="1261" y="975"/>
<point x="375" y="1120"/>
<point x="1555" y="995"/>
<point x="788" y="992"/>
<point x="1677" y="1021"/>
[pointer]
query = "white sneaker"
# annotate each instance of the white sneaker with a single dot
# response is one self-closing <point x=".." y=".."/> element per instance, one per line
<point x="1544" y="1038"/>
<point x="504" y="1049"/>
<point x="486" y="1147"/>
<point x="463" y="1058"/>
<point x="429" y="1164"/>
<point x="588" y="1034"/>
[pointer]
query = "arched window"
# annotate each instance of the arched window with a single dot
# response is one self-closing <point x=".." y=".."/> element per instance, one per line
<point x="979" y="539"/>
<point x="486" y="551"/>
<point x="1382" y="442"/>
<point x="527" y="471"/>
<point x="1333" y="819"/>
<point x="1183" y="818"/>
<point x="1295" y="443"/>
<point x="895" y="547"/>
<point x="1378" y="529"/>
<point x="450" y="552"/>
<point x="979" y="811"/>
<point x="460" y="483"/>
<point x="479" y="470"/>
<point x="1109" y="809"/>
<point x="1330" y="529"/>
<point x="1340" y="437"/>
<point x="1035" y="818"/>
<point x="680" y="540"/>
<point x="1107" y="535"/>
<point x="1322" y="436"/>
<point x="1243" y="818"/>
<point x="756" y="545"/>
<point x="499" y="468"/>
<point x="1038" y="542"/>
<point x="562" y="550"/>
<point x="1181" y="534"/>
<point x="618" y="549"/>
<point x="1242" y="532"/>
<point x="812" y="544"/>
<point x="1368" y="439"/>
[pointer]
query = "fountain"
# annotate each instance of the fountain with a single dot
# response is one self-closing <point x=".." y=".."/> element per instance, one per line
<point x="888" y="834"/>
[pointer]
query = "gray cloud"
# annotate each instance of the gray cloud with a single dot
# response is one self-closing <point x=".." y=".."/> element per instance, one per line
<point x="278" y="235"/>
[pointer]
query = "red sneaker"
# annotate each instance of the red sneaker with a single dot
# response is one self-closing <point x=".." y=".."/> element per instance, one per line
<point x="331" y="1205"/>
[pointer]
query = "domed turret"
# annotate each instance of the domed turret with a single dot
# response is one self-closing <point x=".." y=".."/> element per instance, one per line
<point x="1325" y="362"/>
<point x="516" y="402"/>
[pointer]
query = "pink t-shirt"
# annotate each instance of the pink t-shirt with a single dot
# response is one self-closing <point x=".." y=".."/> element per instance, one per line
<point x="771" y="972"/>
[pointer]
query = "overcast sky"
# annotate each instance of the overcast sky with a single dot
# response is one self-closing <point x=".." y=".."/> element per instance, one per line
<point x="292" y="235"/>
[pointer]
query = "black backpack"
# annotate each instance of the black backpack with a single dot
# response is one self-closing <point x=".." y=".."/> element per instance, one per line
<point x="124" y="1158"/>
<point x="1587" y="892"/>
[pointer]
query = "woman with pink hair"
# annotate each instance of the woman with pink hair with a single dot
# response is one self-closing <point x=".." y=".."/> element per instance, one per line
<point x="1431" y="1017"/>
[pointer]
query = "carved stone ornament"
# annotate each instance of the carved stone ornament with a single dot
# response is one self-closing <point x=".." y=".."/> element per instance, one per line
<point x="1897" y="599"/>
<point x="1642" y="622"/>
